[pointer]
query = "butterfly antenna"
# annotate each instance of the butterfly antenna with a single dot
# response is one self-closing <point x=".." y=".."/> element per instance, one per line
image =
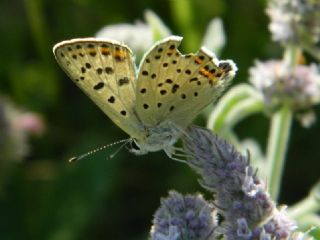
<point x="77" y="158"/>
<point x="122" y="145"/>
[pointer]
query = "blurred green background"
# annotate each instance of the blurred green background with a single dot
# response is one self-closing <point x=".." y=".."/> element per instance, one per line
<point x="44" y="197"/>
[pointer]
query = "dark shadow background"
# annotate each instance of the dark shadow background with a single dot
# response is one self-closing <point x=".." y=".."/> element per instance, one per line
<point x="44" y="197"/>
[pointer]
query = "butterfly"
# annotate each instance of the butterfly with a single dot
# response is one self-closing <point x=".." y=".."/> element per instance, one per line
<point x="155" y="103"/>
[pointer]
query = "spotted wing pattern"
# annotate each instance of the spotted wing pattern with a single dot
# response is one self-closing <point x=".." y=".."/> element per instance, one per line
<point x="175" y="87"/>
<point x="105" y="71"/>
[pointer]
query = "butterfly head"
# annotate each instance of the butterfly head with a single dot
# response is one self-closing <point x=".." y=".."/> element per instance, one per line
<point x="160" y="137"/>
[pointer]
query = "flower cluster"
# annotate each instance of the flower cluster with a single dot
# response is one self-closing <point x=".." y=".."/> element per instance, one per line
<point x="184" y="217"/>
<point x="294" y="21"/>
<point x="15" y="127"/>
<point x="298" y="87"/>
<point x="13" y="144"/>
<point x="239" y="193"/>
<point x="240" y="198"/>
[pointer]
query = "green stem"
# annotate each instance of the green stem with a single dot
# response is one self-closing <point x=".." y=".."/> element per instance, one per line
<point x="242" y="110"/>
<point x="304" y="207"/>
<point x="228" y="102"/>
<point x="277" y="148"/>
<point x="36" y="20"/>
<point x="291" y="56"/>
<point x="182" y="12"/>
<point x="159" y="29"/>
<point x="280" y="131"/>
<point x="314" y="51"/>
<point x="309" y="222"/>
<point x="310" y="204"/>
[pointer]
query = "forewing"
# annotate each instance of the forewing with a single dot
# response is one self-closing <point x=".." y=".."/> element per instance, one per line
<point x="175" y="87"/>
<point x="105" y="72"/>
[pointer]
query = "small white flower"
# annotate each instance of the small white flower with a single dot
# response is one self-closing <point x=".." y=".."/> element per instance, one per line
<point x="299" y="87"/>
<point x="138" y="36"/>
<point x="294" y="21"/>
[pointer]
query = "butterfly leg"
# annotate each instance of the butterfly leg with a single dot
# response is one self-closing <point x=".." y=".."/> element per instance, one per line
<point x="176" y="154"/>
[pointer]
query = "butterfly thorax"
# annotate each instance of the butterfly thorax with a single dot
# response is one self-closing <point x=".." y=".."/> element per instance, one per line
<point x="160" y="137"/>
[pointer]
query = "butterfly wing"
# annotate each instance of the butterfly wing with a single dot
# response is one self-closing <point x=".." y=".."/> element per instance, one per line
<point x="105" y="71"/>
<point x="175" y="87"/>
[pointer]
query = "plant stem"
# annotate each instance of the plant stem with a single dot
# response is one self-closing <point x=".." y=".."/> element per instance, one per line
<point x="242" y="110"/>
<point x="182" y="11"/>
<point x="228" y="102"/>
<point x="310" y="222"/>
<point x="280" y="131"/>
<point x="308" y="205"/>
<point x="277" y="148"/>
<point x="291" y="56"/>
<point x="36" y="20"/>
<point x="314" y="51"/>
<point x="304" y="207"/>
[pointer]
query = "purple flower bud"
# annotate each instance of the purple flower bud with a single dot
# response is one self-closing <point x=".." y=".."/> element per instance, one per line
<point x="247" y="211"/>
<point x="239" y="194"/>
<point x="243" y="229"/>
<point x="280" y="225"/>
<point x="224" y="171"/>
<point x="183" y="217"/>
